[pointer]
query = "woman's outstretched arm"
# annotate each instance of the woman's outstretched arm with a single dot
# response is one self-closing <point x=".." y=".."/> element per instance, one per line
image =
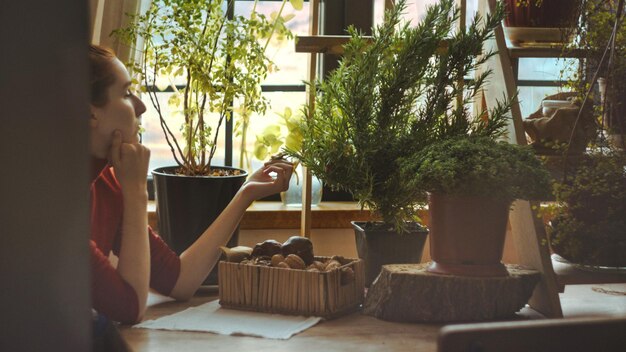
<point x="200" y="258"/>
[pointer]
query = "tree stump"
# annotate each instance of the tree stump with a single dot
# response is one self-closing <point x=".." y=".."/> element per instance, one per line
<point x="408" y="293"/>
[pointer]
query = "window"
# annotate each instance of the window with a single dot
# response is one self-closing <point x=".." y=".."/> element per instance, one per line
<point x="284" y="88"/>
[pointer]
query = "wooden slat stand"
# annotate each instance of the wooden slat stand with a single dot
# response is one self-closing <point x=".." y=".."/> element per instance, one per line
<point x="527" y="230"/>
<point x="305" y="222"/>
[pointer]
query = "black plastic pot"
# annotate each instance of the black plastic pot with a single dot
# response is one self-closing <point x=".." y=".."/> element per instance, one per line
<point x="187" y="205"/>
<point x="378" y="245"/>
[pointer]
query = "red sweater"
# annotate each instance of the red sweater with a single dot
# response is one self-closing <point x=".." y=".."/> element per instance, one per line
<point x="111" y="294"/>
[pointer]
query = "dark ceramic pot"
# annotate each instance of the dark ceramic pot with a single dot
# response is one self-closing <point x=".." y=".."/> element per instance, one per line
<point x="187" y="205"/>
<point x="379" y="245"/>
<point x="467" y="235"/>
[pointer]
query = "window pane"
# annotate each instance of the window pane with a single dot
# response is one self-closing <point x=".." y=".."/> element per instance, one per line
<point x="530" y="98"/>
<point x="291" y="71"/>
<point x="154" y="137"/>
<point x="291" y="65"/>
<point x="545" y="69"/>
<point x="416" y="9"/>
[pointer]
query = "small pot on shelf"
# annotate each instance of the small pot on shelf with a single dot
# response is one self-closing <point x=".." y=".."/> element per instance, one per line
<point x="540" y="22"/>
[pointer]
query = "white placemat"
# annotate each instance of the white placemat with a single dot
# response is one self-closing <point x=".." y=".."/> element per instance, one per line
<point x="211" y="317"/>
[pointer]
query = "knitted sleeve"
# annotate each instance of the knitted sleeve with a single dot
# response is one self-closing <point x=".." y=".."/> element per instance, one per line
<point x="164" y="265"/>
<point x="111" y="294"/>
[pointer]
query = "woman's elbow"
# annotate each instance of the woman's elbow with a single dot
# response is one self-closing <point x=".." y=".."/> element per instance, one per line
<point x="132" y="319"/>
<point x="182" y="295"/>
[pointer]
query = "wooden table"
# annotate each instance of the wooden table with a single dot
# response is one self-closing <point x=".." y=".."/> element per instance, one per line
<point x="354" y="332"/>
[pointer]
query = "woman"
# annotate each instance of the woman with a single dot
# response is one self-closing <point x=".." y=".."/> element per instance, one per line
<point x="119" y="199"/>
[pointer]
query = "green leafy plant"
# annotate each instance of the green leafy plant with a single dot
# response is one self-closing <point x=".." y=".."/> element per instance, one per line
<point x="590" y="216"/>
<point x="479" y="166"/>
<point x="391" y="96"/>
<point x="274" y="138"/>
<point x="285" y="134"/>
<point x="601" y="36"/>
<point x="220" y="58"/>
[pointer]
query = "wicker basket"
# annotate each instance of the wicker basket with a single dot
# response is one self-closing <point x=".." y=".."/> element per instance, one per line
<point x="290" y="291"/>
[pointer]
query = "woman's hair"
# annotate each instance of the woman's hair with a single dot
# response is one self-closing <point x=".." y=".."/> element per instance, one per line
<point x="101" y="73"/>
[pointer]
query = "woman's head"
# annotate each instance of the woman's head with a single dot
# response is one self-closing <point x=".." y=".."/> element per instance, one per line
<point x="101" y="70"/>
<point x="113" y="105"/>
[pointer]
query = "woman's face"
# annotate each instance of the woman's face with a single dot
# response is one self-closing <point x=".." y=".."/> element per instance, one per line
<point x="122" y="111"/>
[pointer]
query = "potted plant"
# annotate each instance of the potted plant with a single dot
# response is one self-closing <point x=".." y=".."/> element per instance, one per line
<point x="220" y="60"/>
<point x="602" y="36"/>
<point x="540" y="21"/>
<point x="471" y="182"/>
<point x="590" y="215"/>
<point x="367" y="119"/>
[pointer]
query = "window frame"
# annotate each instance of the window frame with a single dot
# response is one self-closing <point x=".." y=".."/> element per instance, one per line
<point x="335" y="17"/>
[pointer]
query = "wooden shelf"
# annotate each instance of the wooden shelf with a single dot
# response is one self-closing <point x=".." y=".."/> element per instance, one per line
<point x="324" y="44"/>
<point x="516" y="52"/>
<point x="568" y="274"/>
<point x="330" y="44"/>
<point x="275" y="215"/>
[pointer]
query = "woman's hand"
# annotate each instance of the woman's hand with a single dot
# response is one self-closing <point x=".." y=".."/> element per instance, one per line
<point x="262" y="183"/>
<point x="130" y="162"/>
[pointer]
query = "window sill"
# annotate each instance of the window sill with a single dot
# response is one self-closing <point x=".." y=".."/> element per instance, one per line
<point x="275" y="215"/>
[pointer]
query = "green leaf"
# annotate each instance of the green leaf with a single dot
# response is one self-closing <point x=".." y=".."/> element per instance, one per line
<point x="271" y="130"/>
<point x="288" y="17"/>
<point x="293" y="142"/>
<point x="260" y="151"/>
<point x="297" y="4"/>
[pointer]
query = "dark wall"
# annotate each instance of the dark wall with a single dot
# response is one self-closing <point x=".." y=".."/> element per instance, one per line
<point x="44" y="206"/>
<point x="338" y="15"/>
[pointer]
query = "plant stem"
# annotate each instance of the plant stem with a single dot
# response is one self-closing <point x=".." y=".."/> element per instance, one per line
<point x="274" y="25"/>
<point x="244" y="132"/>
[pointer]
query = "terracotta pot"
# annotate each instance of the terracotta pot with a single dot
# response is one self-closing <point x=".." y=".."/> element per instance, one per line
<point x="551" y="13"/>
<point x="543" y="25"/>
<point x="467" y="235"/>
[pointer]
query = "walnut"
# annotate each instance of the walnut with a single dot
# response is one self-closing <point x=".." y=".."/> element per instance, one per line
<point x="319" y="265"/>
<point x="283" y="265"/>
<point x="332" y="265"/>
<point x="295" y="262"/>
<point x="277" y="258"/>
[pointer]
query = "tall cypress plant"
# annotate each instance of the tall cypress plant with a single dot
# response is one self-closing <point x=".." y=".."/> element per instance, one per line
<point x="391" y="96"/>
